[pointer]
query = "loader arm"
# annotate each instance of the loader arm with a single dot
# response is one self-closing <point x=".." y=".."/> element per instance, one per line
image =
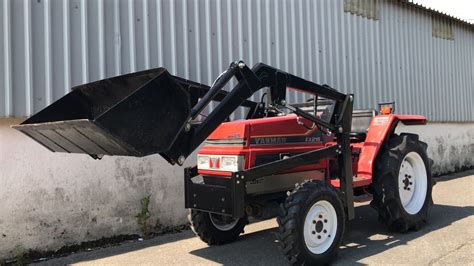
<point x="249" y="82"/>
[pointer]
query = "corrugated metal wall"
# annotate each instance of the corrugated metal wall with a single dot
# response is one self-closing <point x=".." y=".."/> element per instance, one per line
<point x="49" y="46"/>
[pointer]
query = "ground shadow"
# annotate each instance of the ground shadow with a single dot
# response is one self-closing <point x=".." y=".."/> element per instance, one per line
<point x="261" y="247"/>
<point x="362" y="239"/>
<point x="118" y="249"/>
<point x="361" y="230"/>
<point x="452" y="176"/>
<point x="365" y="236"/>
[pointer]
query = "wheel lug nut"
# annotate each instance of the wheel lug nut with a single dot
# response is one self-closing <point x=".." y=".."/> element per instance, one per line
<point x="408" y="188"/>
<point x="319" y="237"/>
<point x="314" y="221"/>
<point x="313" y="232"/>
<point x="325" y="231"/>
<point x="320" y="216"/>
<point x="411" y="183"/>
<point x="325" y="220"/>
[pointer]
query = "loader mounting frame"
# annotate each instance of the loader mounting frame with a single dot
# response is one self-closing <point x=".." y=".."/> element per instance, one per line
<point x="230" y="199"/>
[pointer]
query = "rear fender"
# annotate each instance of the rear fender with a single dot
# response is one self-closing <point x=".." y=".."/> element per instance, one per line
<point x="381" y="127"/>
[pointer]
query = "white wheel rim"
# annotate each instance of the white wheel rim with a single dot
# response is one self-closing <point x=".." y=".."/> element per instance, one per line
<point x="412" y="183"/>
<point x="223" y="223"/>
<point x="320" y="227"/>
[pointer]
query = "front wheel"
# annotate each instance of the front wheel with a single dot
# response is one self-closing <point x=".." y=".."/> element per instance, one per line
<point x="215" y="229"/>
<point x="403" y="183"/>
<point x="311" y="224"/>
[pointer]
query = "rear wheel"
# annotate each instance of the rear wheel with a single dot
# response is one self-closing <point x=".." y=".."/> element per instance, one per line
<point x="215" y="229"/>
<point x="403" y="183"/>
<point x="311" y="224"/>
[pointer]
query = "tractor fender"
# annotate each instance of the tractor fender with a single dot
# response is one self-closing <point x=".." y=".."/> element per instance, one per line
<point x="380" y="128"/>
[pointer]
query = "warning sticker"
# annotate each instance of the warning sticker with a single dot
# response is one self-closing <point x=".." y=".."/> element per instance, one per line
<point x="380" y="121"/>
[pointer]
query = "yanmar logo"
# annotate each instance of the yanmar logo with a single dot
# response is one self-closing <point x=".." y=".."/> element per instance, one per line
<point x="214" y="163"/>
<point x="262" y="141"/>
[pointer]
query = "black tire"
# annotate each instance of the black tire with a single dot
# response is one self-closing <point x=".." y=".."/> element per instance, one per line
<point x="204" y="228"/>
<point x="292" y="218"/>
<point x="386" y="197"/>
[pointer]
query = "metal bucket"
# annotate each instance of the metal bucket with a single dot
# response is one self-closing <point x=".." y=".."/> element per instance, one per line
<point x="136" y="114"/>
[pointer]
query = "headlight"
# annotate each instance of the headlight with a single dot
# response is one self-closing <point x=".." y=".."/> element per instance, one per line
<point x="203" y="162"/>
<point x="230" y="163"/>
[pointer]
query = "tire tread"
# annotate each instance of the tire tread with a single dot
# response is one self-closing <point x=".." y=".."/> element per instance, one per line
<point x="288" y="237"/>
<point x="205" y="230"/>
<point x="385" y="184"/>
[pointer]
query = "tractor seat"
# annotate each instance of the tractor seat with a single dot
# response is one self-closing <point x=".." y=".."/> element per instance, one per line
<point x="360" y="124"/>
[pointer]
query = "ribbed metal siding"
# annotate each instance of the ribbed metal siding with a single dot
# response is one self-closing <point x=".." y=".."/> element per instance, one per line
<point x="48" y="46"/>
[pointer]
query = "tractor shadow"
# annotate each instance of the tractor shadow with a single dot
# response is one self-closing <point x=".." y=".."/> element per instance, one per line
<point x="365" y="236"/>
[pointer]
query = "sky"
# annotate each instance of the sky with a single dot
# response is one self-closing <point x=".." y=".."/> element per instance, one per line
<point x="463" y="9"/>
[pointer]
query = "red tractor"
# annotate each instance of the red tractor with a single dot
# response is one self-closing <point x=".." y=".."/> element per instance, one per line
<point x="302" y="162"/>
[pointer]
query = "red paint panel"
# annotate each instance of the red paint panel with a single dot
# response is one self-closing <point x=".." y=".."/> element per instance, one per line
<point x="217" y="173"/>
<point x="356" y="182"/>
<point x="279" y="126"/>
<point x="223" y="150"/>
<point x="379" y="127"/>
<point x="231" y="130"/>
<point x="364" y="153"/>
<point x="411" y="119"/>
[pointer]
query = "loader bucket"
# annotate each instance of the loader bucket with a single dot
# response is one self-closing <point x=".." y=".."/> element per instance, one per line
<point x="137" y="114"/>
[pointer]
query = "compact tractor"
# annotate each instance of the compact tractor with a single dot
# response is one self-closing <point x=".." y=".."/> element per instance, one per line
<point x="304" y="163"/>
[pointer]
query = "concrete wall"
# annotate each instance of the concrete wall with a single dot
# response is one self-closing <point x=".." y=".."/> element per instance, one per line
<point x="50" y="200"/>
<point x="450" y="145"/>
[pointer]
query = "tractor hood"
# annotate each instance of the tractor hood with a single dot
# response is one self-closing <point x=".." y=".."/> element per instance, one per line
<point x="265" y="131"/>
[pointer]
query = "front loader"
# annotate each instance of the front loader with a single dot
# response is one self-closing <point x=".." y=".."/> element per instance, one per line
<point x="304" y="163"/>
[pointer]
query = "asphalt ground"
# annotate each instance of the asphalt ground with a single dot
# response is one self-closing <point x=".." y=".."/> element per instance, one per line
<point x="448" y="238"/>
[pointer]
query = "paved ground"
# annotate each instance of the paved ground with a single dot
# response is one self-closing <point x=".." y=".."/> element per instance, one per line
<point x="447" y="239"/>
